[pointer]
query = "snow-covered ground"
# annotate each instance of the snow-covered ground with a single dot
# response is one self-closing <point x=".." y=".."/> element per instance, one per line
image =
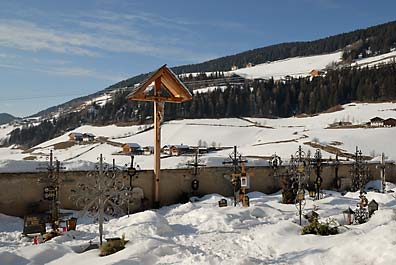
<point x="209" y="89"/>
<point x="5" y="129"/>
<point x="200" y="232"/>
<point x="385" y="58"/>
<point x="254" y="137"/>
<point x="302" y="66"/>
<point x="295" y="67"/>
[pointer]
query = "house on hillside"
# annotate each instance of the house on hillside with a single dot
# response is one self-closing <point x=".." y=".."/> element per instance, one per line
<point x="203" y="150"/>
<point x="88" y="137"/>
<point x="132" y="148"/>
<point x="248" y="65"/>
<point x="234" y="67"/>
<point x="376" y="122"/>
<point x="148" y="150"/>
<point x="391" y="122"/>
<point x="315" y="72"/>
<point x="176" y="150"/>
<point x="76" y="136"/>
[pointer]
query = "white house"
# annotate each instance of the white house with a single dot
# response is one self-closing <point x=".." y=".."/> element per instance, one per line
<point x="376" y="122"/>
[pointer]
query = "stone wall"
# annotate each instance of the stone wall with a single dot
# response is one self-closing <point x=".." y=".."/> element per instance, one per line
<point x="21" y="192"/>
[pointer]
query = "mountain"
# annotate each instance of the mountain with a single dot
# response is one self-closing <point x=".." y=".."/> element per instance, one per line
<point x="254" y="93"/>
<point x="6" y="118"/>
<point x="368" y="42"/>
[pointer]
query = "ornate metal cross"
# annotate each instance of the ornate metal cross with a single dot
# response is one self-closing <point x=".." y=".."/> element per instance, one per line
<point x="300" y="168"/>
<point x="195" y="164"/>
<point x="359" y="172"/>
<point x="51" y="190"/>
<point x="107" y="194"/>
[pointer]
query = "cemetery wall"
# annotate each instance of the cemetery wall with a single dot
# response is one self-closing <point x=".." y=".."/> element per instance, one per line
<point x="22" y="193"/>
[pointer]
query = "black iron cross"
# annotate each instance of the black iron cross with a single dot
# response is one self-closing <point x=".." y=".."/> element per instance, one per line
<point x="195" y="163"/>
<point x="318" y="170"/>
<point x="236" y="160"/>
<point x="51" y="191"/>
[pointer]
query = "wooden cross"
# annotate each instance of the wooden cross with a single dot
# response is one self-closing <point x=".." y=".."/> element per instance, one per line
<point x="195" y="164"/>
<point x="167" y="88"/>
<point x="241" y="183"/>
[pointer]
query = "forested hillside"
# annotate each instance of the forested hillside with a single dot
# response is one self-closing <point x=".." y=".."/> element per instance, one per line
<point x="5" y="118"/>
<point x="373" y="40"/>
<point x="367" y="42"/>
<point x="257" y="98"/>
<point x="364" y="42"/>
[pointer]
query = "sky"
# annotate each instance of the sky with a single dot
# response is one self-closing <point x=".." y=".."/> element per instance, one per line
<point x="54" y="51"/>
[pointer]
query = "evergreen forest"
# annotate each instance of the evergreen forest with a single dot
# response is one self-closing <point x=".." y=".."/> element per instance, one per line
<point x="247" y="98"/>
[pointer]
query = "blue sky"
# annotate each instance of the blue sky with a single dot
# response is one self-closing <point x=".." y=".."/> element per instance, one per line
<point x="53" y="51"/>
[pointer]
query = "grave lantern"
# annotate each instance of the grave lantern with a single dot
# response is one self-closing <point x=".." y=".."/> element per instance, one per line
<point x="300" y="195"/>
<point x="223" y="203"/>
<point x="349" y="216"/>
<point x="372" y="207"/>
<point x="245" y="182"/>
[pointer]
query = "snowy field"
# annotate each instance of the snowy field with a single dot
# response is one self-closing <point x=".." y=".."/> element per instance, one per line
<point x="255" y="137"/>
<point x="200" y="232"/>
<point x="295" y="67"/>
<point x="302" y="66"/>
<point x="385" y="58"/>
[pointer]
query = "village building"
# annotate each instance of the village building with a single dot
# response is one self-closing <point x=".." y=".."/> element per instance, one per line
<point x="315" y="72"/>
<point x="203" y="150"/>
<point x="132" y="148"/>
<point x="376" y="122"/>
<point x="148" y="150"/>
<point x="165" y="149"/>
<point x="79" y="137"/>
<point x="89" y="136"/>
<point x="391" y="122"/>
<point x="76" y="136"/>
<point x="248" y="65"/>
<point x="176" y="150"/>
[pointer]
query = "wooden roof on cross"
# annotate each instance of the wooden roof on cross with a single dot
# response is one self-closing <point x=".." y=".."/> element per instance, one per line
<point x="173" y="90"/>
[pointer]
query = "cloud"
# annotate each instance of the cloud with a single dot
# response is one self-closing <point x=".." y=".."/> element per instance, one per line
<point x="92" y="39"/>
<point x="61" y="68"/>
<point x="28" y="36"/>
<point x="143" y="18"/>
<point x="81" y="72"/>
<point x="10" y="66"/>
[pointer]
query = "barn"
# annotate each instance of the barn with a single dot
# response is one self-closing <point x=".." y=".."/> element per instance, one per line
<point x="76" y="136"/>
<point x="132" y="148"/>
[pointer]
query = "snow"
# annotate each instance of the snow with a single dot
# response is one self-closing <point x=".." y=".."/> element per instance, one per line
<point x="100" y="101"/>
<point x="200" y="232"/>
<point x="385" y="58"/>
<point x="10" y="152"/>
<point x="258" y="137"/>
<point x="295" y="67"/>
<point x="209" y="89"/>
<point x="5" y="129"/>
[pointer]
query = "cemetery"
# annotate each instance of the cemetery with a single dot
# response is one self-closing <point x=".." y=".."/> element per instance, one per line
<point x="126" y="211"/>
